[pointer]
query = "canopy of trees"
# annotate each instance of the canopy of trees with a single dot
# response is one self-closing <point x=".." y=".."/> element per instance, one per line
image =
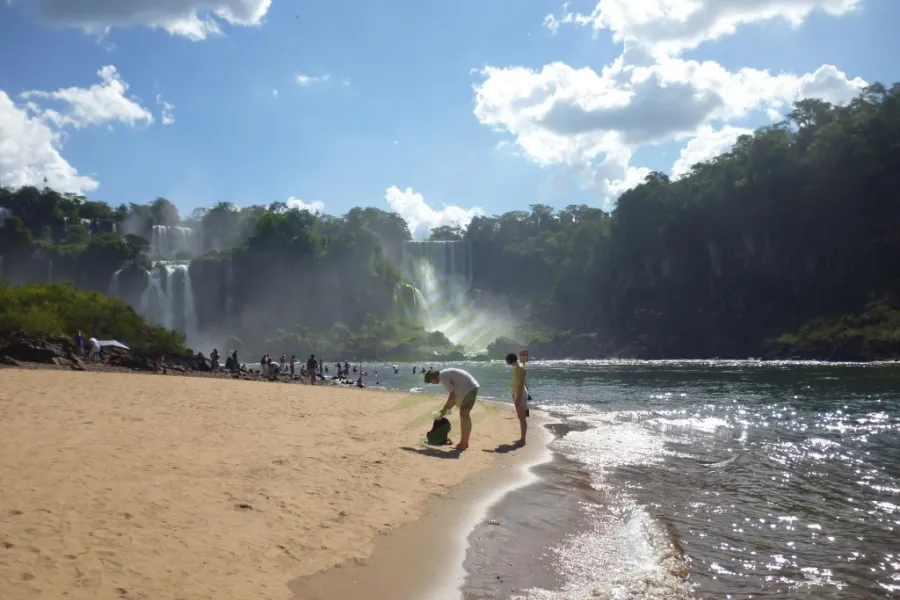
<point x="783" y="244"/>
<point x="798" y="222"/>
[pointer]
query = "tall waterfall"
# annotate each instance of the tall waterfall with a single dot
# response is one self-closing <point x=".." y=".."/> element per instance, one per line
<point x="114" y="285"/>
<point x="169" y="241"/>
<point x="168" y="299"/>
<point x="442" y="273"/>
<point x="4" y="213"/>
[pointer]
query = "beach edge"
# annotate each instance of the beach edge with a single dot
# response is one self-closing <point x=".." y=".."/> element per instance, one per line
<point x="424" y="559"/>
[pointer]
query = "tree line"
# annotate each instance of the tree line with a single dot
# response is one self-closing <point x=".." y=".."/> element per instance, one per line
<point x="787" y="245"/>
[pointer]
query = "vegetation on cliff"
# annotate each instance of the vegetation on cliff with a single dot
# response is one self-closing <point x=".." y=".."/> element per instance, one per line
<point x="49" y="310"/>
<point x="779" y="246"/>
<point x="799" y="221"/>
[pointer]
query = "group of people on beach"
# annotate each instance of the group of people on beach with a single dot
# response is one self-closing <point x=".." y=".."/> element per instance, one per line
<point x="462" y="389"/>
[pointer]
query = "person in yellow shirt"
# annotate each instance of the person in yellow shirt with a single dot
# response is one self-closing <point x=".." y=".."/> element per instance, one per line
<point x="519" y="394"/>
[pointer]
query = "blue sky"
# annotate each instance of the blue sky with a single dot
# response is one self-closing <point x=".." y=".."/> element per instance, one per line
<point x="404" y="104"/>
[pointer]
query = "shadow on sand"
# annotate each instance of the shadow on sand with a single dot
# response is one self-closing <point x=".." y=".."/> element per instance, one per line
<point x="504" y="448"/>
<point x="451" y="452"/>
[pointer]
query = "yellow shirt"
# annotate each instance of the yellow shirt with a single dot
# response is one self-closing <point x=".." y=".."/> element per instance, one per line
<point x="519" y="374"/>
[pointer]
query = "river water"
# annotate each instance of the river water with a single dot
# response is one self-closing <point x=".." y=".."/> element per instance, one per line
<point x="697" y="479"/>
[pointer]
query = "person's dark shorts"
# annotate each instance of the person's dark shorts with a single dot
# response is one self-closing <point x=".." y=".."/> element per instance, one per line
<point x="469" y="400"/>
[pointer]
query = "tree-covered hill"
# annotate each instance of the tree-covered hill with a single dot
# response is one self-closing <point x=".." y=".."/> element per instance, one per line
<point x="787" y="244"/>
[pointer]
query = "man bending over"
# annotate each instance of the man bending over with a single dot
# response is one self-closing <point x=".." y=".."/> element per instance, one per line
<point x="459" y="384"/>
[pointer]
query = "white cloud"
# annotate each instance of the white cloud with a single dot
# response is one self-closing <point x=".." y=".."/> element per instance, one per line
<point x="101" y="103"/>
<point x="193" y="19"/>
<point x="421" y="217"/>
<point x="673" y="26"/>
<point x="167" y="112"/>
<point x="29" y="152"/>
<point x="707" y="144"/>
<point x="316" y="207"/>
<point x="593" y="122"/>
<point x="275" y="93"/>
<point x="31" y="134"/>
<point x="307" y="80"/>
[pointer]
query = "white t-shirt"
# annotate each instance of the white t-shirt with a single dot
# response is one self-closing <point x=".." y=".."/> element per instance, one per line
<point x="459" y="381"/>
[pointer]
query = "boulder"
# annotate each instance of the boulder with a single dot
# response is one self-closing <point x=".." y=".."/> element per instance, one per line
<point x="34" y="350"/>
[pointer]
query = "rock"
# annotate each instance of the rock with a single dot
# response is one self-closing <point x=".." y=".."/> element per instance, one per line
<point x="9" y="361"/>
<point x="36" y="351"/>
<point x="201" y="363"/>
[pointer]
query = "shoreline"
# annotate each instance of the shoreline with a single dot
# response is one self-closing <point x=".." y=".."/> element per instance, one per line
<point x="425" y="559"/>
<point x="202" y="488"/>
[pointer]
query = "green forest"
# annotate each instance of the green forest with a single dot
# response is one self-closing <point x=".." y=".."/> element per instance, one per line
<point x="786" y="246"/>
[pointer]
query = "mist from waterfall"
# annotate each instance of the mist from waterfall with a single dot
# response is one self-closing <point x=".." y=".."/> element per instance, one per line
<point x="442" y="274"/>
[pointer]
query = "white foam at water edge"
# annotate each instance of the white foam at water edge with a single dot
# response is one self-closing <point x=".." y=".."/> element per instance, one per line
<point x="623" y="554"/>
<point x="449" y="587"/>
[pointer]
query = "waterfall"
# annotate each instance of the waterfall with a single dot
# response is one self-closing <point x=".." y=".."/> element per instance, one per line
<point x="410" y="301"/>
<point x="4" y="213"/>
<point x="190" y="308"/>
<point x="442" y="275"/>
<point x="169" y="241"/>
<point x="168" y="299"/>
<point x="114" y="285"/>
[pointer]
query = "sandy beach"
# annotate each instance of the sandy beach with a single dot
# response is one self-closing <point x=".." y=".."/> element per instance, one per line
<point x="156" y="487"/>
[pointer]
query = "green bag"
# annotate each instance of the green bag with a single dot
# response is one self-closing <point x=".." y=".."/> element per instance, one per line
<point x="440" y="433"/>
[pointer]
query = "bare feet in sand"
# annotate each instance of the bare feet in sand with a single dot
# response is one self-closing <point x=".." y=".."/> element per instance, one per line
<point x="460" y="447"/>
<point x="519" y="443"/>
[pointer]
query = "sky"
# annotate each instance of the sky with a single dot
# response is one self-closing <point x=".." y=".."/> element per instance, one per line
<point x="437" y="110"/>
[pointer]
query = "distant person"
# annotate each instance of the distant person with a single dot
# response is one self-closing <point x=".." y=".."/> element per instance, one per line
<point x="214" y="359"/>
<point x="79" y="343"/>
<point x="312" y="366"/>
<point x="519" y="394"/>
<point x="293" y="362"/>
<point x="459" y="384"/>
<point x="414" y="370"/>
<point x="262" y="365"/>
<point x="95" y="349"/>
<point x="282" y="366"/>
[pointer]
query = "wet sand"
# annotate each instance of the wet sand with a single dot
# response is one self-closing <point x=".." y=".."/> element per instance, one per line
<point x="156" y="487"/>
<point x="426" y="559"/>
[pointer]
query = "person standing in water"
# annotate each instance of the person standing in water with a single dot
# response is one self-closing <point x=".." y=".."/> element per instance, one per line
<point x="519" y="394"/>
<point x="463" y="390"/>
